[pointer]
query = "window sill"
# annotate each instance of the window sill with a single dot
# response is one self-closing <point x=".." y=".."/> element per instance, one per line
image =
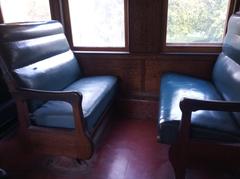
<point x="201" y="49"/>
<point x="101" y="52"/>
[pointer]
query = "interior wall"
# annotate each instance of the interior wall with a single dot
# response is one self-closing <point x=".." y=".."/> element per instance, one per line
<point x="140" y="74"/>
<point x="140" y="70"/>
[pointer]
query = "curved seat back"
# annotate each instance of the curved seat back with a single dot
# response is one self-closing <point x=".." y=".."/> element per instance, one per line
<point x="37" y="55"/>
<point x="226" y="72"/>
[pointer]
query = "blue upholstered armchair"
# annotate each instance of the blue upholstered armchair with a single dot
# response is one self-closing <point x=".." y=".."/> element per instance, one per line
<point x="60" y="111"/>
<point x="200" y="119"/>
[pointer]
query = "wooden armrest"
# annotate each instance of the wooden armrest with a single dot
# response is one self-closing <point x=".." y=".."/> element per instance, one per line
<point x="188" y="105"/>
<point x="215" y="105"/>
<point x="74" y="98"/>
<point x="69" y="96"/>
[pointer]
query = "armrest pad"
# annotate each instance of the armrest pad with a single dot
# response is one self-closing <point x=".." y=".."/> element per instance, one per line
<point x="68" y="96"/>
<point x="215" y="105"/>
<point x="74" y="98"/>
<point x="188" y="105"/>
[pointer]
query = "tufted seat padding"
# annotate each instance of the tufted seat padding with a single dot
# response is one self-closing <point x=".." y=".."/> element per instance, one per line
<point x="39" y="55"/>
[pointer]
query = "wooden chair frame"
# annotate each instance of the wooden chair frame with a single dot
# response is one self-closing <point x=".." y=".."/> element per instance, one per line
<point x="75" y="143"/>
<point x="187" y="150"/>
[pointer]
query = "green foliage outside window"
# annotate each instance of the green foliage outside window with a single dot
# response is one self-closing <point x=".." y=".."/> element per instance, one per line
<point x="196" y="21"/>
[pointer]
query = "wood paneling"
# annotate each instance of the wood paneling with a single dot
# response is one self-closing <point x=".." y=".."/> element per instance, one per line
<point x="56" y="10"/>
<point x="127" y="68"/>
<point x="198" y="66"/>
<point x="140" y="74"/>
<point x="138" y="109"/>
<point x="145" y="26"/>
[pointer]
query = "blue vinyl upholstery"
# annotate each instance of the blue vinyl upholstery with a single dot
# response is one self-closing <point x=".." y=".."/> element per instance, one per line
<point x="213" y="125"/>
<point x="226" y="72"/>
<point x="39" y="57"/>
<point x="97" y="91"/>
<point x="225" y="85"/>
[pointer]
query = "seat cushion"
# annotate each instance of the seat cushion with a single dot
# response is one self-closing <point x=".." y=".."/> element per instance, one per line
<point x="212" y="125"/>
<point x="98" y="92"/>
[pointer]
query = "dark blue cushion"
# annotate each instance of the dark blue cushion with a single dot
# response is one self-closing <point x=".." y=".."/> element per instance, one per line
<point x="211" y="125"/>
<point x="54" y="73"/>
<point x="98" y="93"/>
<point x="39" y="55"/>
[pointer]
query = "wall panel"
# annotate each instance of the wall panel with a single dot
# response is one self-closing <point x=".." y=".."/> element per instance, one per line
<point x="199" y="66"/>
<point x="145" y="26"/>
<point x="140" y="74"/>
<point x="128" y="69"/>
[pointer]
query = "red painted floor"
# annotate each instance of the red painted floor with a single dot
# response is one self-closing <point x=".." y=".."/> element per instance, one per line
<point x="129" y="151"/>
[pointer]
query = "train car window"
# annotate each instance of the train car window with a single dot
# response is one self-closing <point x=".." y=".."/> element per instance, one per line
<point x="98" y="25"/>
<point x="25" y="10"/>
<point x="197" y="23"/>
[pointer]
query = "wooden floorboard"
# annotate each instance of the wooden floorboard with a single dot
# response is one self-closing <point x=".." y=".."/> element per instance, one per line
<point x="129" y="150"/>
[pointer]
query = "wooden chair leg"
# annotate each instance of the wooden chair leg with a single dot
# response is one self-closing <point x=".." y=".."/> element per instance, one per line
<point x="178" y="163"/>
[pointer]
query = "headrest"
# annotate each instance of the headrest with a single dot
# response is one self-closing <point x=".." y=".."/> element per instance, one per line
<point x="28" y="30"/>
<point x="231" y="44"/>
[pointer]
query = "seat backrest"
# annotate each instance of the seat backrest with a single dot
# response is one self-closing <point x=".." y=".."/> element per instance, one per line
<point x="226" y="72"/>
<point x="37" y="55"/>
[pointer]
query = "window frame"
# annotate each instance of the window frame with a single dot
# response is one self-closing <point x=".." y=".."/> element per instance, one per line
<point x="188" y="47"/>
<point x="68" y="30"/>
<point x="1" y="15"/>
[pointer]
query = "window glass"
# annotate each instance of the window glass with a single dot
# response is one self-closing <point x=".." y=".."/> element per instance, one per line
<point x="97" y="23"/>
<point x="196" y="21"/>
<point x="25" y="10"/>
